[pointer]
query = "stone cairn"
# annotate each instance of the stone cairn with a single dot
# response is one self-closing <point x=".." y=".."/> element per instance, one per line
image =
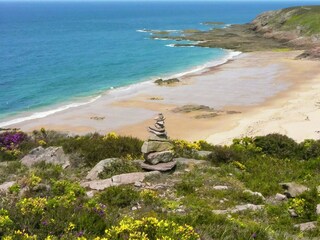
<point x="158" y="151"/>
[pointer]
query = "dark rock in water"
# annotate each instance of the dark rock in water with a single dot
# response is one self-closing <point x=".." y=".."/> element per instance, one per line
<point x="162" y="82"/>
<point x="159" y="157"/>
<point x="205" y="116"/>
<point x="54" y="155"/>
<point x="162" y="167"/>
<point x="313" y="54"/>
<point x="192" y="108"/>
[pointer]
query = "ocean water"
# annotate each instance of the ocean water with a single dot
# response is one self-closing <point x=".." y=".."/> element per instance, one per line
<point x="62" y="52"/>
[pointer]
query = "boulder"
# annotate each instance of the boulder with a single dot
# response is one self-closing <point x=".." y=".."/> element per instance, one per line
<point x="54" y="155"/>
<point x="156" y="146"/>
<point x="280" y="197"/>
<point x="162" y="167"/>
<point x="293" y="189"/>
<point x="203" y="153"/>
<point x="189" y="161"/>
<point x="258" y="194"/>
<point x="240" y="208"/>
<point x="306" y="226"/>
<point x="293" y="213"/>
<point x="245" y="207"/>
<point x="117" y="180"/>
<point x="98" y="184"/>
<point x="220" y="187"/>
<point x="318" y="209"/>
<point x="99" y="167"/>
<point x="128" y="178"/>
<point x="4" y="187"/>
<point x="159" y="157"/>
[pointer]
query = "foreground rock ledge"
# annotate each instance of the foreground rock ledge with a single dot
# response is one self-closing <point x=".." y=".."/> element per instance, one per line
<point x="117" y="180"/>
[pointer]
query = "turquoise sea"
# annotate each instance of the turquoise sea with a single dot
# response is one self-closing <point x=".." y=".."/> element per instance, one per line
<point x="56" y="53"/>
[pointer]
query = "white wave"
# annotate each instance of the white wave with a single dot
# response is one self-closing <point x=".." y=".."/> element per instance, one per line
<point x="38" y="115"/>
<point x="143" y="30"/>
<point x="170" y="45"/>
<point x="124" y="91"/>
<point x="162" y="39"/>
<point x="215" y="63"/>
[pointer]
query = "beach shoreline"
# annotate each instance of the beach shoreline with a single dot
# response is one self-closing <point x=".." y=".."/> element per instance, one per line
<point x="244" y="98"/>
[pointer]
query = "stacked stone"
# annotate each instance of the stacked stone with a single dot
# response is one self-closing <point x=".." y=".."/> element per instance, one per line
<point x="157" y="149"/>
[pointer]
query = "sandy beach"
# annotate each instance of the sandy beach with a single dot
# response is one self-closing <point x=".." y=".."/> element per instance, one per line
<point x="253" y="94"/>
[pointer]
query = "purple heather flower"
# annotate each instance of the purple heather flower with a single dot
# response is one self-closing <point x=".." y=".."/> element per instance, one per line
<point x="11" y="140"/>
<point x="80" y="234"/>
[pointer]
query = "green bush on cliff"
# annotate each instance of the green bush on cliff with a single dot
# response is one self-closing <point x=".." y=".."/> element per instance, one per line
<point x="277" y="145"/>
<point x="94" y="147"/>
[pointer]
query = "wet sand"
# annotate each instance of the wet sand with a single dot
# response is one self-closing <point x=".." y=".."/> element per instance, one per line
<point x="272" y="91"/>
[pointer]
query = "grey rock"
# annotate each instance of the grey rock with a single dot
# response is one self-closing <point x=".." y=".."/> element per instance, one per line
<point x="240" y="208"/>
<point x="245" y="207"/>
<point x="91" y="193"/>
<point x="220" y="187"/>
<point x="318" y="209"/>
<point x="293" y="189"/>
<point x="162" y="167"/>
<point x="153" y="137"/>
<point x="218" y="212"/>
<point x="159" y="157"/>
<point x="280" y="197"/>
<point x="293" y="213"/>
<point x="4" y="187"/>
<point x="189" y="161"/>
<point x="117" y="180"/>
<point x="258" y="194"/>
<point x="128" y="178"/>
<point x="138" y="184"/>
<point x="306" y="226"/>
<point x="54" y="155"/>
<point x="134" y="208"/>
<point x="99" y="167"/>
<point x="98" y="184"/>
<point x="203" y="153"/>
<point x="156" y="146"/>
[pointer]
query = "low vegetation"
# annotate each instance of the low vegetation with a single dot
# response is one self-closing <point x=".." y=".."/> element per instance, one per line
<point x="48" y="202"/>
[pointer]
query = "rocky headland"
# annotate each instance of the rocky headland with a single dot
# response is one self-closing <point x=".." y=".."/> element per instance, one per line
<point x="290" y="28"/>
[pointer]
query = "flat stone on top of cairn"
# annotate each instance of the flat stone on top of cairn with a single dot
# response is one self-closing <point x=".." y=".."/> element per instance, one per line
<point x="157" y="149"/>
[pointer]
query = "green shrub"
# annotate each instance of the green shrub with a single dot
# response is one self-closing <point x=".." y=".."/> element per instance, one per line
<point x="305" y="205"/>
<point x="118" y="167"/>
<point x="310" y="149"/>
<point x="224" y="154"/>
<point x="118" y="196"/>
<point x="93" y="148"/>
<point x="278" y="145"/>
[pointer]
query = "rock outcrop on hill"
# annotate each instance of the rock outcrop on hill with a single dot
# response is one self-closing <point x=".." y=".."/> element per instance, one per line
<point x="294" y="28"/>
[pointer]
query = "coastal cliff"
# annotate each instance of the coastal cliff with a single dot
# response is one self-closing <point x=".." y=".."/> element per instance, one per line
<point x="294" y="28"/>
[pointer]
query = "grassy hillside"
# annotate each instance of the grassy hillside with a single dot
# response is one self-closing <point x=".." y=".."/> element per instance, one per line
<point x="305" y="19"/>
<point x="194" y="201"/>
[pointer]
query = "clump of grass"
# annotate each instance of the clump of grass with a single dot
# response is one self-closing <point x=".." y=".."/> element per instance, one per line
<point x="118" y="196"/>
<point x="93" y="148"/>
<point x="118" y="167"/>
